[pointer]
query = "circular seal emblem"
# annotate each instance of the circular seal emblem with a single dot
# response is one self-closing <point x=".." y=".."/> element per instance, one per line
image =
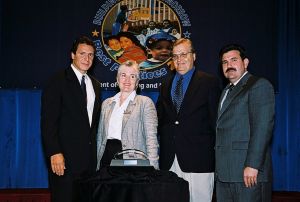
<point x="140" y="30"/>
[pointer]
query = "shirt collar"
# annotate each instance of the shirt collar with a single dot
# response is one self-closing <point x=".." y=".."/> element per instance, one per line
<point x="78" y="73"/>
<point x="187" y="75"/>
<point x="129" y="98"/>
<point x="235" y="83"/>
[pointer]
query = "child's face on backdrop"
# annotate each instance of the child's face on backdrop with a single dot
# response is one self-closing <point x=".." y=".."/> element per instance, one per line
<point x="162" y="50"/>
<point x="114" y="44"/>
<point x="126" y="42"/>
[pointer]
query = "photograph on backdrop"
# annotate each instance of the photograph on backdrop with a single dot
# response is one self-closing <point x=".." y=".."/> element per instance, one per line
<point x="142" y="31"/>
<point x="139" y="30"/>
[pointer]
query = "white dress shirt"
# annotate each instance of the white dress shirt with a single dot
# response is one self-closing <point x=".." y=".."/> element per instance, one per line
<point x="116" y="118"/>
<point x="90" y="93"/>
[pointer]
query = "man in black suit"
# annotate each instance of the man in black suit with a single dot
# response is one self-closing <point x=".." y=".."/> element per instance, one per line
<point x="244" y="130"/>
<point x="69" y="118"/>
<point x="187" y="109"/>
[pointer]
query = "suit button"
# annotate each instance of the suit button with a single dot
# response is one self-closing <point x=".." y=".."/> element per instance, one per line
<point x="176" y="122"/>
<point x="90" y="143"/>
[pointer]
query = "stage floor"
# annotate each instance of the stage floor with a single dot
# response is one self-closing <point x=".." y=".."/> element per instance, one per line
<point x="43" y="195"/>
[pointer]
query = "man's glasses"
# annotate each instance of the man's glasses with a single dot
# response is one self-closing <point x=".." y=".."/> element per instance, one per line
<point x="181" y="55"/>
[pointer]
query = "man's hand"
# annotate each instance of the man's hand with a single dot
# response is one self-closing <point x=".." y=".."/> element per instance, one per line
<point x="250" y="176"/>
<point x="58" y="164"/>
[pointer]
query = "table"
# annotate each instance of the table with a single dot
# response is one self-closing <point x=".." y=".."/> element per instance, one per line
<point x="133" y="184"/>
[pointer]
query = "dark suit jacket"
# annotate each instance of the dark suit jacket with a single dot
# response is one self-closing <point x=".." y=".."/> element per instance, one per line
<point x="65" y="125"/>
<point x="190" y="133"/>
<point x="244" y="129"/>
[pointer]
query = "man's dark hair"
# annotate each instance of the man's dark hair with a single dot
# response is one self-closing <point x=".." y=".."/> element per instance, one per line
<point x="231" y="47"/>
<point x="82" y="40"/>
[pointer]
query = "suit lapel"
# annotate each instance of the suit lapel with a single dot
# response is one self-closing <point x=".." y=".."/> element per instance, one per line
<point x="221" y="98"/>
<point x="97" y="100"/>
<point x="234" y="93"/>
<point x="128" y="112"/>
<point x="167" y="94"/>
<point x="107" y="114"/>
<point x="72" y="79"/>
<point x="190" y="91"/>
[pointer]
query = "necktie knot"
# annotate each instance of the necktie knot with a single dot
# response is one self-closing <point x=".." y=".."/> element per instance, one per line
<point x="181" y="78"/>
<point x="230" y="87"/>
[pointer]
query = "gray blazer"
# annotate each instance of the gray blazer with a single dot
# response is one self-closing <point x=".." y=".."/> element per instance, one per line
<point x="139" y="128"/>
<point x="244" y="130"/>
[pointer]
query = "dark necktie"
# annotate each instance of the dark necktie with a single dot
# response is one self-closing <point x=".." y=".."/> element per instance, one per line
<point x="231" y="86"/>
<point x="228" y="91"/>
<point x="178" y="94"/>
<point x="83" y="86"/>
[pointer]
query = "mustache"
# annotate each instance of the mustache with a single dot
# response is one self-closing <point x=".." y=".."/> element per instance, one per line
<point x="230" y="68"/>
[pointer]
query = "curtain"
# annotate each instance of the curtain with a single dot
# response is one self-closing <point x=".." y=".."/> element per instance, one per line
<point x="286" y="141"/>
<point x="21" y="156"/>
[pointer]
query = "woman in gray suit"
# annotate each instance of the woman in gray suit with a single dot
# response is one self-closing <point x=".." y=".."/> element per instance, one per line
<point x="128" y="120"/>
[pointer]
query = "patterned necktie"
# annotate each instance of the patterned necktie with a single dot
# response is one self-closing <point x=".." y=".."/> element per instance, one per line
<point x="83" y="86"/>
<point x="178" y="94"/>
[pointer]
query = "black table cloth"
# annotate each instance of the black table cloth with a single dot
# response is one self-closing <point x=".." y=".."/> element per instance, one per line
<point x="133" y="184"/>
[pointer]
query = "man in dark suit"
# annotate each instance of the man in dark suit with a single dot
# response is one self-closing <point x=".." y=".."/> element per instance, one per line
<point x="69" y="118"/>
<point x="243" y="132"/>
<point x="187" y="110"/>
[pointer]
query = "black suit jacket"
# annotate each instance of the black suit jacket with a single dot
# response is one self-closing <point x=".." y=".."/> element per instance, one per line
<point x="190" y="133"/>
<point x="65" y="124"/>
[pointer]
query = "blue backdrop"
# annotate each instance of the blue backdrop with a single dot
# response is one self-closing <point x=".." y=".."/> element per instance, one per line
<point x="37" y="37"/>
<point x="21" y="156"/>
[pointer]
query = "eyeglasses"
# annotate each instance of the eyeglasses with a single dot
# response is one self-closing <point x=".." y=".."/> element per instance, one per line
<point x="181" y="55"/>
